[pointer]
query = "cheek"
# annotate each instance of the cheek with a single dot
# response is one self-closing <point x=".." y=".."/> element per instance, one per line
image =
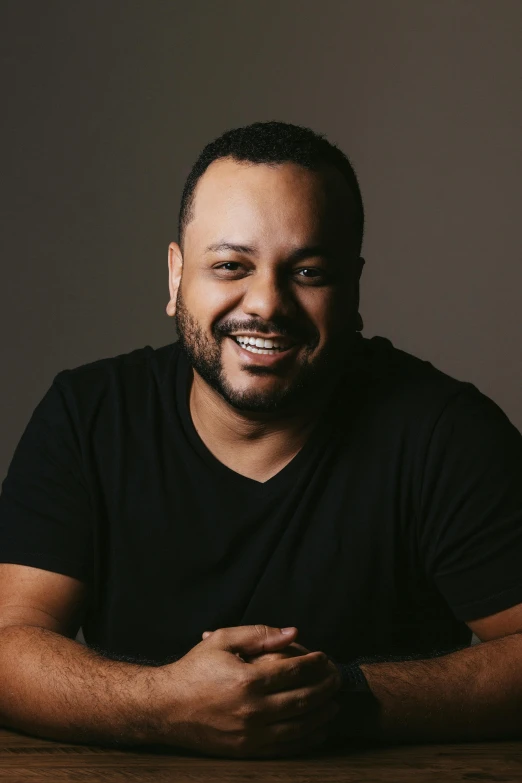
<point x="339" y="312"/>
<point x="328" y="313"/>
<point x="207" y="301"/>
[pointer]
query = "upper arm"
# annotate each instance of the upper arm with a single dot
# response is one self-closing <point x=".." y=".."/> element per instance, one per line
<point x="46" y="518"/>
<point x="32" y="596"/>
<point x="497" y="625"/>
<point x="470" y="514"/>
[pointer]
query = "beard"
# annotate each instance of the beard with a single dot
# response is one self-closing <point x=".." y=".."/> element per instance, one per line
<point x="205" y="356"/>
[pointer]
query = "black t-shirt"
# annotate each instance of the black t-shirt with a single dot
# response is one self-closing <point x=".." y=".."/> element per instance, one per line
<point x="399" y="519"/>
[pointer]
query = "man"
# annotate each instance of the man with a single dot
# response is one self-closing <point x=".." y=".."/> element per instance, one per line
<point x="271" y="477"/>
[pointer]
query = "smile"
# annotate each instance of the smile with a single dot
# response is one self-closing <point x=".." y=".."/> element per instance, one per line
<point x="266" y="350"/>
<point x="260" y="345"/>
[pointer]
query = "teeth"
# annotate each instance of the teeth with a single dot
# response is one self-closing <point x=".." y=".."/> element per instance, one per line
<point x="253" y="349"/>
<point x="258" y="342"/>
<point x="245" y="343"/>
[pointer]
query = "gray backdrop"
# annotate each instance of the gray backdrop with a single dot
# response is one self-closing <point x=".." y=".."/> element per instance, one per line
<point x="107" y="103"/>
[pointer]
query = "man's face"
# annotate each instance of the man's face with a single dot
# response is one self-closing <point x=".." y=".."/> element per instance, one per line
<point x="269" y="255"/>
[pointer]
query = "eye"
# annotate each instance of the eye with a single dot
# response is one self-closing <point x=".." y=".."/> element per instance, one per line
<point x="229" y="268"/>
<point x="230" y="264"/>
<point x="312" y="275"/>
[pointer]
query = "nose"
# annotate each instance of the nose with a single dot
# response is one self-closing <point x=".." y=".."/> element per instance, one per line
<point x="267" y="297"/>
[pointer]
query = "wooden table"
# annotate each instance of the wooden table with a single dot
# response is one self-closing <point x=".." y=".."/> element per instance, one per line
<point x="24" y="759"/>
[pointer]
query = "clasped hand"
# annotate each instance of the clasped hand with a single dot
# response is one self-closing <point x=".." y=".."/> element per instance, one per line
<point x="247" y="692"/>
<point x="292" y="650"/>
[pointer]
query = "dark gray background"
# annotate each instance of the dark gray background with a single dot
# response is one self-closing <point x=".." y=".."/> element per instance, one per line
<point x="106" y="104"/>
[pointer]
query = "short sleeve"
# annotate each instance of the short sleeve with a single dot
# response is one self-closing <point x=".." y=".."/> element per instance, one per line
<point x="470" y="507"/>
<point x="45" y="511"/>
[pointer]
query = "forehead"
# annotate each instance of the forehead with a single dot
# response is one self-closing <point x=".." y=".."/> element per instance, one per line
<point x="268" y="200"/>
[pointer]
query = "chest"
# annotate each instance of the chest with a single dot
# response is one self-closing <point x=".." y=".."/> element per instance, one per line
<point x="331" y="543"/>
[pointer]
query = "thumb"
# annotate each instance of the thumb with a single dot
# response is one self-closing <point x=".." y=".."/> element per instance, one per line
<point x="251" y="639"/>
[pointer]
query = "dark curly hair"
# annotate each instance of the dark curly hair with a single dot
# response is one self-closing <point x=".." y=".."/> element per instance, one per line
<point x="271" y="142"/>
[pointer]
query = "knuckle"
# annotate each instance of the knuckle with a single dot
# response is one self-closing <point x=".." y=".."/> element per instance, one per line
<point x="245" y="680"/>
<point x="261" y="630"/>
<point x="294" y="669"/>
<point x="247" y="713"/>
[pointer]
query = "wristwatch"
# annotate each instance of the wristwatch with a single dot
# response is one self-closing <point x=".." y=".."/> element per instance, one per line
<point x="352" y="678"/>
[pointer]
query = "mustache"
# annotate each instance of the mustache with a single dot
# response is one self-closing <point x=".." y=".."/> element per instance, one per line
<point x="227" y="327"/>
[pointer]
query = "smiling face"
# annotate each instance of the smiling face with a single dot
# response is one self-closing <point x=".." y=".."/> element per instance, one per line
<point x="271" y="254"/>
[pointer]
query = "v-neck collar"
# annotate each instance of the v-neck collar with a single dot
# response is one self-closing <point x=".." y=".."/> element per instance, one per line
<point x="320" y="433"/>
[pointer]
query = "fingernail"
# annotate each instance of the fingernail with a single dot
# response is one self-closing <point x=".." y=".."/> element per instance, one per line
<point x="290" y="629"/>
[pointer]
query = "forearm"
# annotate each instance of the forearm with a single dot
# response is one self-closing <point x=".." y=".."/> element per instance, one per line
<point x="56" y="688"/>
<point x="468" y="695"/>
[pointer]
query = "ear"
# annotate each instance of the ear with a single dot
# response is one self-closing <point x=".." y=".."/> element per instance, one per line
<point x="359" y="324"/>
<point x="358" y="268"/>
<point x="175" y="270"/>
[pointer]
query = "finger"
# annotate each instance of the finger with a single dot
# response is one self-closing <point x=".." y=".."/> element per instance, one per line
<point x="252" y="639"/>
<point x="299" y="648"/>
<point x="305" y="725"/>
<point x="263" y="657"/>
<point x="292" y="650"/>
<point x="292" y="704"/>
<point x="290" y="673"/>
<point x="290" y="738"/>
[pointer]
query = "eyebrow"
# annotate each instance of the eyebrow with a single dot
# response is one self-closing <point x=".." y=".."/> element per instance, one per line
<point x="298" y="254"/>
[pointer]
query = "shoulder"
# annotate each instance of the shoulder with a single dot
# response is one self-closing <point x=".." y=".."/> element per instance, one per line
<point x="128" y="376"/>
<point x="388" y="372"/>
<point x="391" y="368"/>
<point x="407" y="392"/>
<point x="140" y="361"/>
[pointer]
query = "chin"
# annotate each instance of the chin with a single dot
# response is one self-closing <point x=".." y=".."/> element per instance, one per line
<point x="255" y="400"/>
<point x="252" y="400"/>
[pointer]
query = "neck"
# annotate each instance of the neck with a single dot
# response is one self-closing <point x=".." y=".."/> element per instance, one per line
<point x="278" y="436"/>
<point x="229" y="434"/>
<point x="218" y="420"/>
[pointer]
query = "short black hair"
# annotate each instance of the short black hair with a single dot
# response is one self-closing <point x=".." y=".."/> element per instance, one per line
<point x="272" y="142"/>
